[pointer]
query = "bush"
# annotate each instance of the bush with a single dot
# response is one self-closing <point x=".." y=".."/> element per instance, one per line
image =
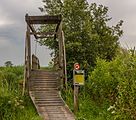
<point x="103" y="81"/>
<point x="115" y="82"/>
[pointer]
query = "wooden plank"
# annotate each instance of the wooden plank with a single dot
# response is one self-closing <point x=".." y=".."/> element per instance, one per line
<point x="33" y="30"/>
<point x="76" y="98"/>
<point x="49" y="103"/>
<point x="57" y="28"/>
<point x="64" y="58"/>
<point x="41" y="37"/>
<point x="25" y="67"/>
<point x="28" y="57"/>
<point x="43" y="33"/>
<point x="46" y="19"/>
<point x="35" y="62"/>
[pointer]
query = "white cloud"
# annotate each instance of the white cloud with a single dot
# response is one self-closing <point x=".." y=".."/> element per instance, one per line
<point x="5" y="22"/>
<point x="122" y="10"/>
<point x="12" y="26"/>
<point x="12" y="30"/>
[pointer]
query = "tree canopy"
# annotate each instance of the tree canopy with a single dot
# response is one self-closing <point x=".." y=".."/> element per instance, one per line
<point x="87" y="33"/>
<point x="8" y="64"/>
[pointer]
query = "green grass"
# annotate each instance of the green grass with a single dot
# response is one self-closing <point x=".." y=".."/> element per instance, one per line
<point x="88" y="109"/>
<point x="47" y="68"/>
<point x="14" y="106"/>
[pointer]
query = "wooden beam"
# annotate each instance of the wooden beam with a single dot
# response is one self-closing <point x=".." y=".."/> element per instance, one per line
<point x="46" y="19"/>
<point x="64" y="58"/>
<point x="43" y="33"/>
<point x="28" y="53"/>
<point x="41" y="37"/>
<point x="76" y="104"/>
<point x="33" y="30"/>
<point x="57" y="28"/>
<point x="25" y="67"/>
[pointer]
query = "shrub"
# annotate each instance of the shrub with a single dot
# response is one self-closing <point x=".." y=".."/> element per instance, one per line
<point x="115" y="82"/>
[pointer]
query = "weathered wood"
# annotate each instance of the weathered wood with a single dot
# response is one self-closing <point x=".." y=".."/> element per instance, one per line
<point x="33" y="30"/>
<point x="35" y="62"/>
<point x="29" y="51"/>
<point x="44" y="36"/>
<point x="76" y="98"/>
<point x="48" y="102"/>
<point x="43" y="33"/>
<point x="64" y="59"/>
<point x="43" y="86"/>
<point x="25" y="66"/>
<point x="61" y="69"/>
<point x="57" y="29"/>
<point x="46" y="19"/>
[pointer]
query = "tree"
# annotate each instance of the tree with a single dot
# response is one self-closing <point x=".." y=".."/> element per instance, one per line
<point x="8" y="64"/>
<point x="87" y="35"/>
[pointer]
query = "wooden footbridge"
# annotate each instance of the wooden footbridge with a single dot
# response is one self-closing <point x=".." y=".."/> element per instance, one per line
<point x="44" y="87"/>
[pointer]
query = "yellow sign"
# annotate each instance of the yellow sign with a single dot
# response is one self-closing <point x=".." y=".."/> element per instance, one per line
<point x="78" y="77"/>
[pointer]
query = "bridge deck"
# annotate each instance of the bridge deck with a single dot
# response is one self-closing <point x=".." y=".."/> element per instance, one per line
<point x="46" y="97"/>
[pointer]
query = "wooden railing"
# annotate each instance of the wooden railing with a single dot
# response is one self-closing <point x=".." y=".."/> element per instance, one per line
<point x="35" y="62"/>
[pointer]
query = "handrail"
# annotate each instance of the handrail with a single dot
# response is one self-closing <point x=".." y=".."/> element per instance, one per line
<point x="35" y="62"/>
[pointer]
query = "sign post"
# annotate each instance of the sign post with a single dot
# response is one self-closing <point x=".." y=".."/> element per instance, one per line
<point x="78" y="79"/>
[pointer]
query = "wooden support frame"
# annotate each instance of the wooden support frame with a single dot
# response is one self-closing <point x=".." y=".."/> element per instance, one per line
<point x="46" y="19"/>
<point x="57" y="34"/>
<point x="62" y="56"/>
<point x="29" y="49"/>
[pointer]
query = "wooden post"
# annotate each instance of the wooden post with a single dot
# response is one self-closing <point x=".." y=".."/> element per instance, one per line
<point x="28" y="57"/>
<point x="78" y="79"/>
<point x="64" y="58"/>
<point x="29" y="49"/>
<point x="61" y="70"/>
<point x="25" y="67"/>
<point x="76" y="98"/>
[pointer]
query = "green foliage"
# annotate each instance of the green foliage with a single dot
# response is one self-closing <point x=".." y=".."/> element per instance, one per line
<point x="115" y="83"/>
<point x="13" y="105"/>
<point x="88" y="109"/>
<point x="104" y="80"/>
<point x="110" y="91"/>
<point x="87" y="34"/>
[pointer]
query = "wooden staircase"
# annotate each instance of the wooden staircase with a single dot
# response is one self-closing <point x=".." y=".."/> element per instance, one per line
<point x="44" y="92"/>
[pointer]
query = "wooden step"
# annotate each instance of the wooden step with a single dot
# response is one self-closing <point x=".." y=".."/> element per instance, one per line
<point x="43" y="89"/>
<point x="45" y="83"/>
<point x="50" y="104"/>
<point x="43" y="80"/>
<point x="45" y="86"/>
<point x="44" y="77"/>
<point x="46" y="96"/>
<point x="48" y="101"/>
<point x="38" y="72"/>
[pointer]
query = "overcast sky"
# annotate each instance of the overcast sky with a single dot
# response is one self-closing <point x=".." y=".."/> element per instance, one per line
<point x="12" y="26"/>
